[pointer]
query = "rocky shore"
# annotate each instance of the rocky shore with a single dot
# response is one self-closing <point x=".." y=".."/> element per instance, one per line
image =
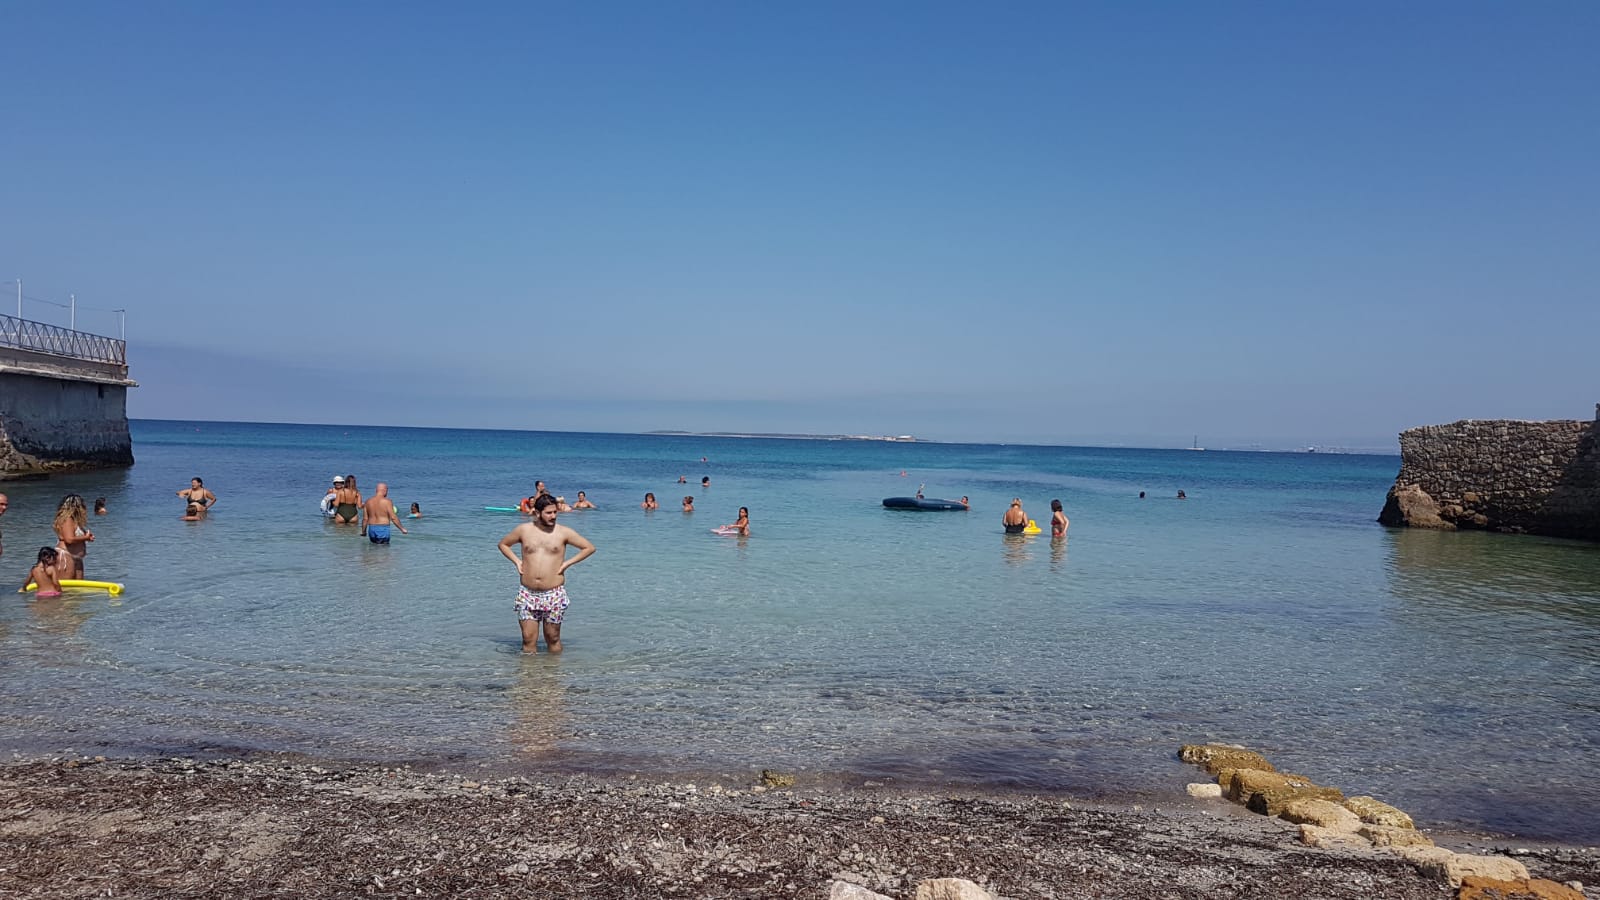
<point x="247" y="828"/>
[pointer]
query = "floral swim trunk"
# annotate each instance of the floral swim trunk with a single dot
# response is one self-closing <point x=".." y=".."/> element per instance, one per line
<point x="542" y="606"/>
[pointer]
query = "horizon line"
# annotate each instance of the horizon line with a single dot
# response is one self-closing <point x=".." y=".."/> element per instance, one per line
<point x="1312" y="450"/>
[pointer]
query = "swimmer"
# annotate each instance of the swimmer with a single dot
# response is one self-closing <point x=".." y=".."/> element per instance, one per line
<point x="682" y="479"/>
<point x="378" y="514"/>
<point x="196" y="493"/>
<point x="346" y="500"/>
<point x="688" y="504"/>
<point x="743" y="524"/>
<point x="1141" y="495"/>
<point x="416" y="511"/>
<point x="100" y="506"/>
<point x="43" y="576"/>
<point x="1014" y="518"/>
<point x="705" y="482"/>
<point x="192" y="513"/>
<point x="583" y="502"/>
<point x="562" y="505"/>
<point x="1182" y="496"/>
<point x="1058" y="520"/>
<point x="649" y="501"/>
<point x="965" y="504"/>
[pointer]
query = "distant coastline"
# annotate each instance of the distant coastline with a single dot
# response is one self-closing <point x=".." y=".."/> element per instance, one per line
<point x="891" y="438"/>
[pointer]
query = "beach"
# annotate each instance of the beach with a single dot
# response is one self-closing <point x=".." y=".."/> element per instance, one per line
<point x="260" y="827"/>
<point x="842" y="641"/>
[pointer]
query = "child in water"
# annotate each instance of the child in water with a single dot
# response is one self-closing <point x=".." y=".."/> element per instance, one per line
<point x="194" y="512"/>
<point x="43" y="574"/>
<point x="416" y="510"/>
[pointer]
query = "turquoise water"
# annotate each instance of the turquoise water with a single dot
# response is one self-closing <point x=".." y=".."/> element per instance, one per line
<point x="1451" y="674"/>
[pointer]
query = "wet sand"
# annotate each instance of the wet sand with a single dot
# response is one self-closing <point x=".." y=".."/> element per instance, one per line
<point x="237" y="828"/>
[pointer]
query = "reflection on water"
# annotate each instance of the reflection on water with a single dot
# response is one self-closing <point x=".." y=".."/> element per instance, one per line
<point x="1490" y="573"/>
<point x="66" y="614"/>
<point x="1018" y="548"/>
<point x="538" y="705"/>
<point x="1058" y="553"/>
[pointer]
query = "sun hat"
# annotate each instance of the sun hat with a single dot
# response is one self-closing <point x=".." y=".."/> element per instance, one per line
<point x="338" y="479"/>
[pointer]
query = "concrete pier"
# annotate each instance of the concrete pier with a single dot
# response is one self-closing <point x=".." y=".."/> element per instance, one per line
<point x="63" y="400"/>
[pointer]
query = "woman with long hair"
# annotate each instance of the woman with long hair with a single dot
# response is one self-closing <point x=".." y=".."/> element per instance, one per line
<point x="72" y="535"/>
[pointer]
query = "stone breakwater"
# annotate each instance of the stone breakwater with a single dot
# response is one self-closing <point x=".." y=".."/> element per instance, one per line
<point x="1500" y="475"/>
<point x="1329" y="820"/>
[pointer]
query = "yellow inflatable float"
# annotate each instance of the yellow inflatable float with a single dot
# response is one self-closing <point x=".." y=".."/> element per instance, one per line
<point x="1033" y="528"/>
<point x="111" y="587"/>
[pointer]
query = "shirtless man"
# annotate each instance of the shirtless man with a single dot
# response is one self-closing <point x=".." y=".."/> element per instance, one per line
<point x="542" y="596"/>
<point x="583" y="502"/>
<point x="378" y="514"/>
<point x="347" y="502"/>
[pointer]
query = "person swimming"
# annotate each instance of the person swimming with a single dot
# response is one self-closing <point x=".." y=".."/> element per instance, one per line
<point x="649" y="501"/>
<point x="416" y="511"/>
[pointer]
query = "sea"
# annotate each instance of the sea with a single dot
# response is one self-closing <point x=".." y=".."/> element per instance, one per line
<point x="1451" y="674"/>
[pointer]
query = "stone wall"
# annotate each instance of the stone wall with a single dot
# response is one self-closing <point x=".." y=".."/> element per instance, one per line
<point x="1500" y="475"/>
<point x="57" y="415"/>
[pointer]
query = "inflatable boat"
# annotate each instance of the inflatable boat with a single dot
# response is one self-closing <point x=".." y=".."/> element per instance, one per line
<point x="930" y="503"/>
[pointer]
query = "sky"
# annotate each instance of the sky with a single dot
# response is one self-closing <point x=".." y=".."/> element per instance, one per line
<point x="1247" y="224"/>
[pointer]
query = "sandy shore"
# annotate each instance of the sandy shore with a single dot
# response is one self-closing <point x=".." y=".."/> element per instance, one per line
<point x="262" y="827"/>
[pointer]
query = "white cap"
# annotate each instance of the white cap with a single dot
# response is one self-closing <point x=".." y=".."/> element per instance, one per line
<point x="338" y="479"/>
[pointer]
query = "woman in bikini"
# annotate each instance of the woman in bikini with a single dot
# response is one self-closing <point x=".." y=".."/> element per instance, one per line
<point x="743" y="524"/>
<point x="197" y="494"/>
<point x="1058" y="520"/>
<point x="72" y="536"/>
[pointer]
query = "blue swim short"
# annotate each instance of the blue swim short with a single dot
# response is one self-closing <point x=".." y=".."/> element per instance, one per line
<point x="378" y="534"/>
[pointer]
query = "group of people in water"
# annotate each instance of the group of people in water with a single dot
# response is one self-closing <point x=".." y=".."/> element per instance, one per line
<point x="376" y="515"/>
<point x="64" y="561"/>
<point x="1016" y="521"/>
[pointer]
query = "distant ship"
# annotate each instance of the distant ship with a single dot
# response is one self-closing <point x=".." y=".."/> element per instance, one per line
<point x="1196" y="445"/>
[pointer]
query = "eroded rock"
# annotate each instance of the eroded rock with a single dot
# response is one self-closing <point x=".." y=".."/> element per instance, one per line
<point x="1445" y="865"/>
<point x="1216" y="757"/>
<point x="1390" y="836"/>
<point x="844" y="890"/>
<point x="1323" y="814"/>
<point x="1375" y="812"/>
<point x="1476" y="887"/>
<point x="1329" y="839"/>
<point x="1204" y="790"/>
<point x="1409" y="505"/>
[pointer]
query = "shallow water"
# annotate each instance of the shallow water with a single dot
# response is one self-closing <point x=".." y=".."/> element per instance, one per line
<point x="1451" y="674"/>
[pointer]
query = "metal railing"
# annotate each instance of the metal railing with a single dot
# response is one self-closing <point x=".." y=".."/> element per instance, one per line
<point x="57" y="341"/>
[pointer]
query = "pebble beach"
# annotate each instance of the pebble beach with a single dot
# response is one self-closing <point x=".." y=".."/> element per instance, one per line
<point x="277" y="827"/>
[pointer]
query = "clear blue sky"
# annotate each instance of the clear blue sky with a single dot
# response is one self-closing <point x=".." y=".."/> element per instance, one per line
<point x="1282" y="223"/>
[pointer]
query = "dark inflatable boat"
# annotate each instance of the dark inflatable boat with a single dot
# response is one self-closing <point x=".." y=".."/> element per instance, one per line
<point x="921" y="503"/>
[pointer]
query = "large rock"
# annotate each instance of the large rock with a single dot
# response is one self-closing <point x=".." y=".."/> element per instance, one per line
<point x="1375" y="812"/>
<point x="1323" y="814"/>
<point x="1328" y="839"/>
<point x="1475" y="887"/>
<point x="1204" y="790"/>
<point x="951" y="889"/>
<point x="1409" y="505"/>
<point x="1437" y="862"/>
<point x="1216" y="757"/>
<point x="1389" y="836"/>
<point x="1239" y="784"/>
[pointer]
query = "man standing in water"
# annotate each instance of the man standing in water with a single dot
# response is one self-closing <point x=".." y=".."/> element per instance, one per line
<point x="378" y="514"/>
<point x="542" y="596"/>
